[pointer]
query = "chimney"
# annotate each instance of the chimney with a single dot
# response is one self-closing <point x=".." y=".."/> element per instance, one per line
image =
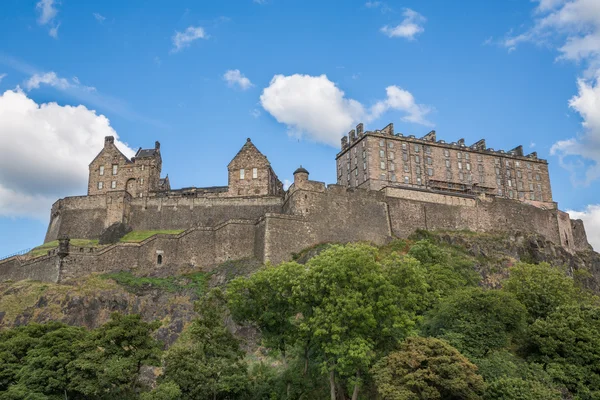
<point x="109" y="140"/>
<point x="360" y="129"/>
<point x="344" y="142"/>
<point x="157" y="145"/>
<point x="352" y="135"/>
<point x="388" y="130"/>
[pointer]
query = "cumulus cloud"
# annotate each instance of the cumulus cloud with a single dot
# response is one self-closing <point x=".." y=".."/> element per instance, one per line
<point x="234" y="77"/>
<point x="185" y="38"/>
<point x="411" y="25"/>
<point x="47" y="12"/>
<point x="45" y="150"/>
<point x="591" y="221"/>
<point x="315" y="107"/>
<point x="582" y="153"/>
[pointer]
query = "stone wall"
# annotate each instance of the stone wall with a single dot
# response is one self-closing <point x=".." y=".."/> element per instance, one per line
<point x="45" y="268"/>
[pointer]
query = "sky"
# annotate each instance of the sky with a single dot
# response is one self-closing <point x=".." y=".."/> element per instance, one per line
<point x="294" y="76"/>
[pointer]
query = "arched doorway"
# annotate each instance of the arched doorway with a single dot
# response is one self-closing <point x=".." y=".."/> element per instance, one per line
<point x="131" y="187"/>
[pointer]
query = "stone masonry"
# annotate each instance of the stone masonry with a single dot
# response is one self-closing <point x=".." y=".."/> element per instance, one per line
<point x="254" y="217"/>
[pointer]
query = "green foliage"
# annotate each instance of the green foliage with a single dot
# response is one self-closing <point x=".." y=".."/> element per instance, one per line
<point x="567" y="344"/>
<point x="520" y="389"/>
<point x="111" y="356"/>
<point x="206" y="362"/>
<point x="197" y="282"/>
<point x="541" y="288"/>
<point x="477" y="321"/>
<point x="427" y="368"/>
<point x="164" y="391"/>
<point x="139" y="236"/>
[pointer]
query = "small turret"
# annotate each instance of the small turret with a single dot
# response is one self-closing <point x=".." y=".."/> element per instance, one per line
<point x="300" y="176"/>
<point x="109" y="140"/>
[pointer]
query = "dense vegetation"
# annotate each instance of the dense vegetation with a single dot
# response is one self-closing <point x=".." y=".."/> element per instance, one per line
<point x="410" y="320"/>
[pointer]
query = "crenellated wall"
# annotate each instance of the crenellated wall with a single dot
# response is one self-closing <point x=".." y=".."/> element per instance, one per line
<point x="270" y="228"/>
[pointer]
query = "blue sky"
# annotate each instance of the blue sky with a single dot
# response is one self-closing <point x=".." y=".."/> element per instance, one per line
<point x="301" y="73"/>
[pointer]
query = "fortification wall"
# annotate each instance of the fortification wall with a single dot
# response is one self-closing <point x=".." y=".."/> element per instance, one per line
<point x="18" y="268"/>
<point x="81" y="217"/>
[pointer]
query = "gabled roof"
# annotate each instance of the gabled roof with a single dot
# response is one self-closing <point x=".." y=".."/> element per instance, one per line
<point x="249" y="147"/>
<point x="127" y="160"/>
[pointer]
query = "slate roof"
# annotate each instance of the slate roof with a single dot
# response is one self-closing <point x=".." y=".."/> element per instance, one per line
<point x="146" y="153"/>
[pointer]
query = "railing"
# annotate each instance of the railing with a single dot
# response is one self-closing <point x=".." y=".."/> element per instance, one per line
<point x="18" y="253"/>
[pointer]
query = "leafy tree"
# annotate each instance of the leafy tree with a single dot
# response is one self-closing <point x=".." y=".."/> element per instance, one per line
<point x="206" y="362"/>
<point x="353" y="307"/>
<point x="45" y="366"/>
<point x="567" y="344"/>
<point x="541" y="288"/>
<point x="520" y="389"/>
<point x="111" y="356"/>
<point x="22" y="392"/>
<point x="476" y="320"/>
<point x="427" y="368"/>
<point x="164" y="391"/>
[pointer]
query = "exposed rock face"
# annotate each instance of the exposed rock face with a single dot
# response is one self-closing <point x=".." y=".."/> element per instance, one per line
<point x="114" y="233"/>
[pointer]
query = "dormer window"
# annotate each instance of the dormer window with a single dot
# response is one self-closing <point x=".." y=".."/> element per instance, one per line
<point x="242" y="173"/>
<point x="101" y="170"/>
<point x="115" y="169"/>
<point x="254" y="173"/>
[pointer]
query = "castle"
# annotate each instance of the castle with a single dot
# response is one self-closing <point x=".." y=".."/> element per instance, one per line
<point x="388" y="185"/>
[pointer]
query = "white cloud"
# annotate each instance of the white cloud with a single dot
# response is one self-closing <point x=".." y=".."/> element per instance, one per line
<point x="583" y="152"/>
<point x="591" y="221"/>
<point x="255" y="113"/>
<point x="235" y="77"/>
<point x="315" y="107"/>
<point x="185" y="38"/>
<point x="99" y="17"/>
<point x="372" y="4"/>
<point x="411" y="26"/>
<point x="47" y="14"/>
<point x="45" y="150"/>
<point x="261" y="2"/>
<point x="52" y="79"/>
<point x="2" y="76"/>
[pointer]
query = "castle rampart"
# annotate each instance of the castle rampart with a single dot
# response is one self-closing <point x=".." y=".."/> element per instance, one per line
<point x="253" y="217"/>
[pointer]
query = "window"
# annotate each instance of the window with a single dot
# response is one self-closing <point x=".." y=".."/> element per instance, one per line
<point x="508" y="173"/>
<point x="537" y="177"/>
<point x="528" y="166"/>
<point x="508" y="163"/>
<point x="481" y="178"/>
<point x="520" y="185"/>
<point x="363" y="143"/>
<point x="364" y="165"/>
<point x="430" y="171"/>
<point x="531" y="186"/>
<point x="364" y="154"/>
<point x="448" y="175"/>
<point x="102" y="170"/>
<point x="498" y="181"/>
<point x="406" y="179"/>
<point x="113" y="184"/>
<point x="459" y="165"/>
<point x="356" y="172"/>
<point x="242" y="173"/>
<point x="382" y="177"/>
<point x="406" y="168"/>
<point x="382" y="143"/>
<point x="392" y="167"/>
<point x="497" y="161"/>
<point x="446" y="153"/>
<point x="391" y="155"/>
<point x="529" y="175"/>
<point x="480" y="168"/>
<point x="417" y="159"/>
<point x="519" y="175"/>
<point x="393" y="177"/>
<point x="143" y="167"/>
<point x="418" y="181"/>
<point x="159" y="259"/>
<point x="429" y="161"/>
<point x="470" y="178"/>
<point x="461" y="176"/>
<point x="254" y="173"/>
<point x="447" y="163"/>
<point x="115" y="169"/>
<point x="142" y="181"/>
<point x="539" y="187"/>
<point x="404" y="156"/>
<point x="100" y="185"/>
<point x="418" y="170"/>
<point x="417" y="148"/>
<point x="459" y="155"/>
<point x="403" y="146"/>
<point x="468" y="167"/>
<point x="517" y="163"/>
<point x="391" y="145"/>
<point x="467" y="156"/>
<point x="382" y="165"/>
<point x="510" y="194"/>
<point x="509" y="183"/>
<point x="479" y="157"/>
<point x="499" y="192"/>
<point x="381" y="153"/>
<point x="428" y="150"/>
<point x="521" y="195"/>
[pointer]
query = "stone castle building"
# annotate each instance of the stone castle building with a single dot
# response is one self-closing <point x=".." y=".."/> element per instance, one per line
<point x="388" y="185"/>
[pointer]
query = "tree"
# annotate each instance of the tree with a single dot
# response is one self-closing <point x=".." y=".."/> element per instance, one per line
<point x="111" y="356"/>
<point x="427" y="368"/>
<point x="541" y="288"/>
<point x="477" y="321"/>
<point x="164" y="391"/>
<point x="520" y="389"/>
<point x="206" y="362"/>
<point x="567" y="344"/>
<point x="353" y="307"/>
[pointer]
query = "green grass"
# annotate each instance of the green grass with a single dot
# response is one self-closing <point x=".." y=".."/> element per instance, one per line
<point x="43" y="249"/>
<point x="138" y="236"/>
<point x="197" y="282"/>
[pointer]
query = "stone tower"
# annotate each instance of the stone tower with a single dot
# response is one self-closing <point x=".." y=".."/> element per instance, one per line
<point x="250" y="174"/>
